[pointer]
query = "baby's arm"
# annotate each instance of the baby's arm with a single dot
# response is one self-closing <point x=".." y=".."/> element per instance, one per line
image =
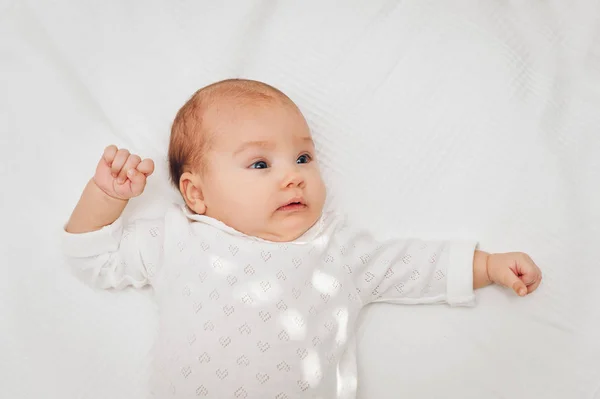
<point x="119" y="176"/>
<point x="415" y="271"/>
<point x="101" y="250"/>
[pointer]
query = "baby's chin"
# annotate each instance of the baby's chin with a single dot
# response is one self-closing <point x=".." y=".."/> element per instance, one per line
<point x="288" y="229"/>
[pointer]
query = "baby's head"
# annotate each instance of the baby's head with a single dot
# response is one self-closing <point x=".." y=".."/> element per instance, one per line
<point x="241" y="152"/>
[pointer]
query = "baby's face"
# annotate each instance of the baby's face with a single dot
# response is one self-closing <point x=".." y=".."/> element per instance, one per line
<point x="261" y="174"/>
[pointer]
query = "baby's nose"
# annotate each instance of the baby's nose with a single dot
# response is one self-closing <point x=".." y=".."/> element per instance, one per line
<point x="293" y="178"/>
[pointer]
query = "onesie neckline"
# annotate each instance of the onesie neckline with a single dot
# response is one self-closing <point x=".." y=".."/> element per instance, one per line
<point x="310" y="235"/>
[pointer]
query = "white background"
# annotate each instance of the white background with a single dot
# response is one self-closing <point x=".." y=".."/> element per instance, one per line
<point x="463" y="119"/>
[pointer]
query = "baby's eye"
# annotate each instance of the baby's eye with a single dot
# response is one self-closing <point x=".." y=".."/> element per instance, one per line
<point x="259" y="165"/>
<point x="305" y="158"/>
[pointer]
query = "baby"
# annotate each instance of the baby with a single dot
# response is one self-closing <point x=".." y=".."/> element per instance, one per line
<point x="258" y="288"/>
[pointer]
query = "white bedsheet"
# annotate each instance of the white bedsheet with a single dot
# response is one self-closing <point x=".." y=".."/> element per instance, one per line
<point x="461" y="119"/>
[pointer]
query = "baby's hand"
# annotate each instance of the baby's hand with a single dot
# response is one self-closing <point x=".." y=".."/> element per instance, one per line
<point x="514" y="270"/>
<point x="122" y="175"/>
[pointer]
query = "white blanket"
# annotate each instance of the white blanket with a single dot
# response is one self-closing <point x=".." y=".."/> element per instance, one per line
<point x="461" y="119"/>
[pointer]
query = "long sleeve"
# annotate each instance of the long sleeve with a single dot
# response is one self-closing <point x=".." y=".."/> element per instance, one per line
<point x="117" y="256"/>
<point x="408" y="271"/>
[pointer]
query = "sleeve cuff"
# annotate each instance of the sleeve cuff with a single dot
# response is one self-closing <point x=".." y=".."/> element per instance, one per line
<point x="460" y="274"/>
<point x="93" y="243"/>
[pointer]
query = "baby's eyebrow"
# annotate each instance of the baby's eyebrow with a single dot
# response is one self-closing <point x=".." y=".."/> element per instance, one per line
<point x="307" y="139"/>
<point x="250" y="144"/>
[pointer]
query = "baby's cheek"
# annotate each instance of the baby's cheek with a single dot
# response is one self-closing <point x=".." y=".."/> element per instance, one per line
<point x="321" y="192"/>
<point x="254" y="196"/>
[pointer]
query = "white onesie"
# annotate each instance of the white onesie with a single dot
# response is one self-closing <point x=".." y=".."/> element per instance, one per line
<point x="241" y="317"/>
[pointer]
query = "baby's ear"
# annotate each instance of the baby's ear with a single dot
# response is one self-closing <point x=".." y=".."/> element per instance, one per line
<point x="191" y="190"/>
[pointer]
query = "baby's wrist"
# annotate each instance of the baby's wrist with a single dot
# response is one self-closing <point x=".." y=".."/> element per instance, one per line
<point x="487" y="268"/>
<point x="481" y="275"/>
<point x="107" y="196"/>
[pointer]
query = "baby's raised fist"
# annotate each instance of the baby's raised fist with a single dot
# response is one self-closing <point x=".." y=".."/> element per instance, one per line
<point x="122" y="175"/>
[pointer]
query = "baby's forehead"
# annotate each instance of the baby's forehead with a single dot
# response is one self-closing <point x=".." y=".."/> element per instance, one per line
<point x="251" y="138"/>
<point x="226" y="116"/>
<point x="260" y="135"/>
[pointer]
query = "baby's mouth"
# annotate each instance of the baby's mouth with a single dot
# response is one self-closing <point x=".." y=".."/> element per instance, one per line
<point x="294" y="205"/>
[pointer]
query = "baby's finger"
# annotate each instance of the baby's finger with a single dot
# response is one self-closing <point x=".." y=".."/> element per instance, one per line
<point x="510" y="280"/>
<point x="109" y="154"/>
<point x="146" y="167"/>
<point x="131" y="163"/>
<point x="528" y="271"/>
<point x="532" y="279"/>
<point x="534" y="286"/>
<point x="119" y="162"/>
<point x="138" y="181"/>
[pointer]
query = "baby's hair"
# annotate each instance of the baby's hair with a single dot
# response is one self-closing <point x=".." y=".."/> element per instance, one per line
<point x="190" y="137"/>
